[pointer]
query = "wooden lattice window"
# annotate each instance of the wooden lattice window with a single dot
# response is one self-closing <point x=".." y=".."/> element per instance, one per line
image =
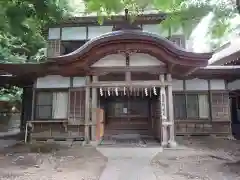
<point x="77" y="107"/>
<point x="191" y="106"/>
<point x="54" y="48"/>
<point x="220" y="106"/>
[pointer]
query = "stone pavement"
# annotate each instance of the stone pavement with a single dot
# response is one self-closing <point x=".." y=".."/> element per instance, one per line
<point x="131" y="163"/>
<point x="13" y="132"/>
<point x="6" y="143"/>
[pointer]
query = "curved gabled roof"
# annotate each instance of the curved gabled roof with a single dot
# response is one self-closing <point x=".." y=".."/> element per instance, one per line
<point x="178" y="61"/>
<point x="136" y="41"/>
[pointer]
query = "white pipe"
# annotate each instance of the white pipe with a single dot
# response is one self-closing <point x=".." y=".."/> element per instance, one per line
<point x="26" y="132"/>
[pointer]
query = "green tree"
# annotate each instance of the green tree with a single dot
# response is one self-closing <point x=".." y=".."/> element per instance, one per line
<point x="181" y="13"/>
<point x="22" y="37"/>
<point x="21" y="26"/>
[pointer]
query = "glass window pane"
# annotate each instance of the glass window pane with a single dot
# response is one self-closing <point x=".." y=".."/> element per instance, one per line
<point x="192" y="106"/>
<point x="44" y="98"/>
<point x="60" y="105"/>
<point x="203" y="106"/>
<point x="179" y="104"/>
<point x="43" y="112"/>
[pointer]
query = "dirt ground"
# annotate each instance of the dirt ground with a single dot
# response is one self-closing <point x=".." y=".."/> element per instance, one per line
<point x="201" y="158"/>
<point x="50" y="161"/>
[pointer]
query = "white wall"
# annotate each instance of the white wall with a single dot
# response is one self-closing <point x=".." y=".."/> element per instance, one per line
<point x="80" y="33"/>
<point x="155" y="29"/>
<point x="54" y="33"/>
<point x="53" y="81"/>
<point x="196" y="84"/>
<point x="74" y="33"/>
<point x="118" y="60"/>
<point x="79" y="81"/>
<point x="217" y="84"/>
<point x="111" y="60"/>
<point x="141" y="59"/>
<point x="235" y="85"/>
<point x="177" y="85"/>
<point x="199" y="85"/>
<point x="95" y="31"/>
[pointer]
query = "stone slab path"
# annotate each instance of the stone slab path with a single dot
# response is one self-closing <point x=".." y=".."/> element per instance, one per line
<point x="129" y="163"/>
<point x="6" y="143"/>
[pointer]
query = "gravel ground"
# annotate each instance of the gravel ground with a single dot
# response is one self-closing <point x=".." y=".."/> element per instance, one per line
<point x="50" y="162"/>
<point x="202" y="158"/>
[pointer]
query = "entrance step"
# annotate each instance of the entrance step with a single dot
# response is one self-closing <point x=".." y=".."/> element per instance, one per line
<point x="129" y="140"/>
<point x="110" y="132"/>
<point x="122" y="139"/>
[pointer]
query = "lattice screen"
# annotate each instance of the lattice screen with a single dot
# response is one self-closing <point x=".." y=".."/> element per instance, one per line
<point x="77" y="107"/>
<point x="54" y="48"/>
<point x="220" y="106"/>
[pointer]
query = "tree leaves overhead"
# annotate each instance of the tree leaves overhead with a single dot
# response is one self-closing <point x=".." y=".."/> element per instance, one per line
<point x="21" y="32"/>
<point x="181" y="13"/>
<point x="24" y="20"/>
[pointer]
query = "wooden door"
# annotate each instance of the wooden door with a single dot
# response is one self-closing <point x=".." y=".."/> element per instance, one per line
<point x="128" y="115"/>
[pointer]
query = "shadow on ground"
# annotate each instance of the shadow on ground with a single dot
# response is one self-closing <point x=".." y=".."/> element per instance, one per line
<point x="202" y="158"/>
<point x="50" y="161"/>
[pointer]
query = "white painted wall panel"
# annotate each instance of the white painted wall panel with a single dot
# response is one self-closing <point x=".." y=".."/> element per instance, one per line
<point x="111" y="60"/>
<point x="141" y="59"/>
<point x="196" y="84"/>
<point x="95" y="31"/>
<point x="53" y="33"/>
<point x="74" y="33"/>
<point x="235" y="85"/>
<point x="217" y="84"/>
<point x="177" y="85"/>
<point x="79" y="81"/>
<point x="155" y="29"/>
<point x="53" y="81"/>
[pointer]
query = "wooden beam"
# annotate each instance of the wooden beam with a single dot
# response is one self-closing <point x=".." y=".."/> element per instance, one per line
<point x="131" y="83"/>
<point x="150" y="69"/>
<point x="170" y="68"/>
<point x="128" y="76"/>
<point x="190" y="71"/>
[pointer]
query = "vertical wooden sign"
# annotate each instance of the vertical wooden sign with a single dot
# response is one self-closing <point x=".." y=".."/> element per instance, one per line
<point x="100" y="124"/>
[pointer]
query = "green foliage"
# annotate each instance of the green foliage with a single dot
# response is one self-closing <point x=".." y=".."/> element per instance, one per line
<point x="22" y="21"/>
<point x="11" y="94"/>
<point x="21" y="31"/>
<point x="184" y="14"/>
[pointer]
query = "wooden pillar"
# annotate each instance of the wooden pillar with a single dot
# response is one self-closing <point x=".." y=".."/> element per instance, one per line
<point x="128" y="76"/>
<point x="163" y="115"/>
<point x="171" y="141"/>
<point x="87" y="110"/>
<point x="27" y="101"/>
<point x="33" y="103"/>
<point x="94" y="107"/>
